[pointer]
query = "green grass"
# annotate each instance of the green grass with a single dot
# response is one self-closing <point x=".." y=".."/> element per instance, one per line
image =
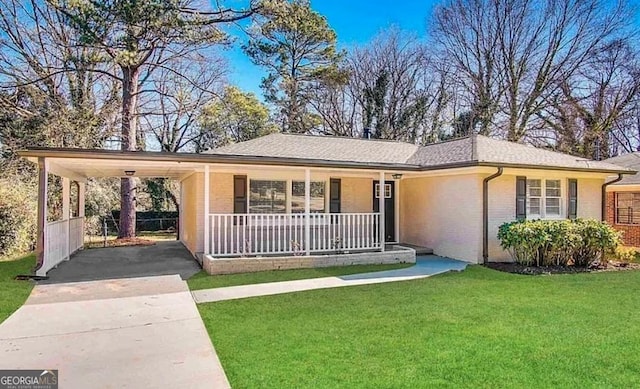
<point x="14" y="293"/>
<point x="204" y="281"/>
<point x="478" y="328"/>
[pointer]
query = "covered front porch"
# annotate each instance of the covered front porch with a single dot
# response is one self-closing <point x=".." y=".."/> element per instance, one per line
<point x="259" y="211"/>
<point x="232" y="211"/>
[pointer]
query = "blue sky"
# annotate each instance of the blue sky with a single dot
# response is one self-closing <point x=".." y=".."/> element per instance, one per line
<point x="355" y="22"/>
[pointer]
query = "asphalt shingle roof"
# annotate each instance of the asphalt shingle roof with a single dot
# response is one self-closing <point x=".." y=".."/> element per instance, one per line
<point x="475" y="149"/>
<point x="327" y="148"/>
<point x="630" y="161"/>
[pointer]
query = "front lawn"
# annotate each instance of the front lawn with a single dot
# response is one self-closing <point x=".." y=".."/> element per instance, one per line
<point x="477" y="328"/>
<point x="203" y="280"/>
<point x="14" y="293"/>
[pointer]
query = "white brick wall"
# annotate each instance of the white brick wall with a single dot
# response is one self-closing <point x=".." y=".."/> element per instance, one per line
<point x="357" y="194"/>
<point x="444" y="213"/>
<point x="221" y="195"/>
<point x="589" y="198"/>
<point x="502" y="205"/>
<point x="193" y="208"/>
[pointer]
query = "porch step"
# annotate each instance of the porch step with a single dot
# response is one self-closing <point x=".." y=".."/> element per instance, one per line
<point x="420" y="250"/>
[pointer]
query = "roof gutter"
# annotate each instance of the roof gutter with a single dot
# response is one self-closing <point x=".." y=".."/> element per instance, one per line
<point x="485" y="214"/>
<point x="604" y="196"/>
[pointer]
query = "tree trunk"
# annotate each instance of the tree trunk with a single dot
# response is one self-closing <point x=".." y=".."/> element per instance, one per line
<point x="129" y="143"/>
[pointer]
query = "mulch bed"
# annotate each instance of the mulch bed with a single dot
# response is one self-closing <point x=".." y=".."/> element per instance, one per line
<point x="510" y="267"/>
<point x="124" y="242"/>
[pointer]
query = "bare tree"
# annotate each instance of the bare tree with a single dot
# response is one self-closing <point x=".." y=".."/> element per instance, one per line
<point x="53" y="90"/>
<point x="466" y="33"/>
<point x="171" y="106"/>
<point x="139" y="38"/>
<point x="515" y="53"/>
<point x="585" y="110"/>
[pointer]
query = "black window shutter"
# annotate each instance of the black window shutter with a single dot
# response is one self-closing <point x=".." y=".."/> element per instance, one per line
<point x="521" y="198"/>
<point x="334" y="195"/>
<point x="573" y="199"/>
<point x="239" y="194"/>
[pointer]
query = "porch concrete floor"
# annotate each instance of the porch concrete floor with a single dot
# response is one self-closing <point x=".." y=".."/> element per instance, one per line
<point x="426" y="266"/>
<point x="125" y="333"/>
<point x="163" y="258"/>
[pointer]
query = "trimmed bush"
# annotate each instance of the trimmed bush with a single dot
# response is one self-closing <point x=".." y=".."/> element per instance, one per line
<point x="558" y="242"/>
<point x="17" y="218"/>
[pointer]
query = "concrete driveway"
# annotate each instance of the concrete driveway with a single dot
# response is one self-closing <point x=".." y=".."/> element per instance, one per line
<point x="126" y="333"/>
<point x="163" y="258"/>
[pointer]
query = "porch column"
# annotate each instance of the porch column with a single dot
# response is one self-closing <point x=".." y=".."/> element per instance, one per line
<point x="307" y="211"/>
<point x="66" y="207"/>
<point x="82" y="190"/>
<point x="206" y="211"/>
<point x="381" y="208"/>
<point x="43" y="167"/>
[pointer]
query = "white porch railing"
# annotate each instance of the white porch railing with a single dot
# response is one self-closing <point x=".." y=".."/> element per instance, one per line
<point x="268" y="234"/>
<point x="62" y="238"/>
<point x="56" y="242"/>
<point x="76" y="234"/>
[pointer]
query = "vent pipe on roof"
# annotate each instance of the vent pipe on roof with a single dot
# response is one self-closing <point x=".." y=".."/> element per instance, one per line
<point x="366" y="133"/>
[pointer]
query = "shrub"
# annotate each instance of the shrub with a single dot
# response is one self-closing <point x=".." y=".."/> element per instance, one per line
<point x="17" y="218"/>
<point x="624" y="254"/>
<point x="558" y="242"/>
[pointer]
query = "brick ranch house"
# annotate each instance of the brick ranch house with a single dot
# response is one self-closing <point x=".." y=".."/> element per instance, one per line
<point x="623" y="200"/>
<point x="283" y="201"/>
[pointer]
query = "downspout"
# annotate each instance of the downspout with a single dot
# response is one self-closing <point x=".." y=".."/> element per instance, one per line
<point x="604" y="196"/>
<point x="485" y="214"/>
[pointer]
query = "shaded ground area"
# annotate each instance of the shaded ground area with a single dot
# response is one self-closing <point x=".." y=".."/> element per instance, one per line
<point x="162" y="258"/>
<point x="133" y="333"/>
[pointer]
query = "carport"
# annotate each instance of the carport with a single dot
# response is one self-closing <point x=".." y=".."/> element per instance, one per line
<point x="162" y="258"/>
<point x="58" y="240"/>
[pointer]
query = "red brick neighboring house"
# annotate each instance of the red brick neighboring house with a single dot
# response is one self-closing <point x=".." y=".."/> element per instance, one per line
<point x="623" y="200"/>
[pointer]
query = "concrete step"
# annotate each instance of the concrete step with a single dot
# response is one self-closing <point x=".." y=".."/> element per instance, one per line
<point x="420" y="250"/>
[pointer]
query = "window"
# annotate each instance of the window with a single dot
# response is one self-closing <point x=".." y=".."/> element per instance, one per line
<point x="534" y="198"/>
<point x="544" y="198"/>
<point x="267" y="196"/>
<point x="387" y="191"/>
<point x="552" y="198"/>
<point x="317" y="196"/>
<point x="628" y="208"/>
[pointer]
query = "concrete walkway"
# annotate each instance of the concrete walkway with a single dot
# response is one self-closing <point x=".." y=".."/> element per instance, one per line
<point x="426" y="266"/>
<point x="127" y="333"/>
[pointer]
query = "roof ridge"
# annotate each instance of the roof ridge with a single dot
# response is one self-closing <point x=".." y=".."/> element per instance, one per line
<point x="347" y="138"/>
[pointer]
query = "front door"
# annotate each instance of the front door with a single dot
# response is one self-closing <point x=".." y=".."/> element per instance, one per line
<point x="389" y="208"/>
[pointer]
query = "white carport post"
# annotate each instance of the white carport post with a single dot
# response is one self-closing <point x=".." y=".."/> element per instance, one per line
<point x="66" y="206"/>
<point x="206" y="211"/>
<point x="43" y="171"/>
<point x="82" y="190"/>
<point x="307" y="211"/>
<point x="381" y="200"/>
